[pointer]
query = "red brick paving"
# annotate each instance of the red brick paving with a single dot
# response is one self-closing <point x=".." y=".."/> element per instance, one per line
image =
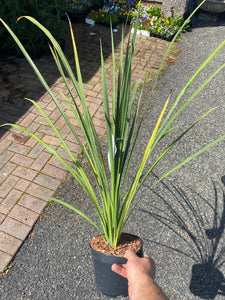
<point x="26" y="168"/>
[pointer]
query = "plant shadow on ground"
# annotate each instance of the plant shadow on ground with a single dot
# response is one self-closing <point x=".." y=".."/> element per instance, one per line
<point x="18" y="81"/>
<point x="200" y="229"/>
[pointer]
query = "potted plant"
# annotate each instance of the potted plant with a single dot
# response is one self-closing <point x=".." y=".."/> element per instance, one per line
<point x="112" y="195"/>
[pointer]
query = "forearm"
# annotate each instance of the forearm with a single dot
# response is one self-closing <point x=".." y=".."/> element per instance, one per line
<point x="147" y="289"/>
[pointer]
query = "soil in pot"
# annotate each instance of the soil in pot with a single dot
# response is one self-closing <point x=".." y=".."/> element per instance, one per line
<point x="108" y="282"/>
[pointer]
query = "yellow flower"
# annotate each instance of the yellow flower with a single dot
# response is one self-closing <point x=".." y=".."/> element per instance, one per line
<point x="138" y="4"/>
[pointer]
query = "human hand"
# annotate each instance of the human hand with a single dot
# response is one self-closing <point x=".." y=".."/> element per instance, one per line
<point x="137" y="269"/>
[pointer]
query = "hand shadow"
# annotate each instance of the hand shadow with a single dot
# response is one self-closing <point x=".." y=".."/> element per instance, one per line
<point x="185" y="218"/>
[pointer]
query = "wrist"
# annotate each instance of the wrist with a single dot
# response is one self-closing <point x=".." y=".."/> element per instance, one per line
<point x="141" y="283"/>
<point x="145" y="288"/>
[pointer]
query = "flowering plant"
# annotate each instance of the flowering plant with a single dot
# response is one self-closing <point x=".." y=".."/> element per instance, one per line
<point x="152" y="19"/>
<point x="116" y="10"/>
<point x="167" y="27"/>
<point x="103" y="17"/>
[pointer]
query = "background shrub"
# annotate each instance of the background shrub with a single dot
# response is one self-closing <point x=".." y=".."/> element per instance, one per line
<point x="49" y="13"/>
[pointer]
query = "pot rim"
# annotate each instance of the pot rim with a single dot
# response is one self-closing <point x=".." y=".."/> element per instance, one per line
<point x="139" y="252"/>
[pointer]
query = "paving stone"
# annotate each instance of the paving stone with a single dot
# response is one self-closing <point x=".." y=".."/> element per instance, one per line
<point x="47" y="181"/>
<point x="42" y="104"/>
<point x="98" y="122"/>
<point x="36" y="189"/>
<point x="51" y="106"/>
<point x="91" y="93"/>
<point x="41" y="120"/>
<point x="2" y="216"/>
<point x="8" y="203"/>
<point x="41" y="161"/>
<point x="29" y="118"/>
<point x="9" y="244"/>
<point x="33" y="203"/>
<point x="94" y="100"/>
<point x="55" y="162"/>
<point x="22" y="160"/>
<point x="36" y="151"/>
<point x="100" y="130"/>
<point x="22" y="184"/>
<point x="6" y="171"/>
<point x="31" y="142"/>
<point x="100" y="115"/>
<point x="51" y="140"/>
<point x="15" y="228"/>
<point x="25" y="173"/>
<point x="18" y="148"/>
<point x="4" y="144"/>
<point x="47" y="130"/>
<point x="19" y="137"/>
<point x="53" y="171"/>
<point x="95" y="79"/>
<point x="97" y="87"/>
<point x="4" y="260"/>
<point x="64" y="154"/>
<point x="8" y="184"/>
<point x="60" y="123"/>
<point x="33" y="127"/>
<point x="65" y="130"/>
<point x="24" y="215"/>
<point x="73" y="146"/>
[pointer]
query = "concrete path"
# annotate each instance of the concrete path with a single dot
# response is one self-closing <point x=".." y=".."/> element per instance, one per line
<point x="26" y="168"/>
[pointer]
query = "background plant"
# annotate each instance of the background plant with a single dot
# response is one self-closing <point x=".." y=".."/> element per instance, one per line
<point x="117" y="11"/>
<point x="78" y="9"/>
<point x="152" y="19"/>
<point x="115" y="198"/>
<point x="49" y="13"/>
<point x="103" y="17"/>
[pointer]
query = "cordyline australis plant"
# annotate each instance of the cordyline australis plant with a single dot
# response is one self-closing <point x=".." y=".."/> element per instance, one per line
<point x="115" y="200"/>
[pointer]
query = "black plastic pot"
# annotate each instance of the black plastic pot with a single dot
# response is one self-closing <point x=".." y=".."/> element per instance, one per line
<point x="107" y="281"/>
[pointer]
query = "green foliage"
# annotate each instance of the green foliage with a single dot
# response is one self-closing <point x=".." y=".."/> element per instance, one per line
<point x="116" y="10"/>
<point x="77" y="9"/>
<point x="152" y="19"/>
<point x="105" y="18"/>
<point x="115" y="198"/>
<point x="49" y="13"/>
